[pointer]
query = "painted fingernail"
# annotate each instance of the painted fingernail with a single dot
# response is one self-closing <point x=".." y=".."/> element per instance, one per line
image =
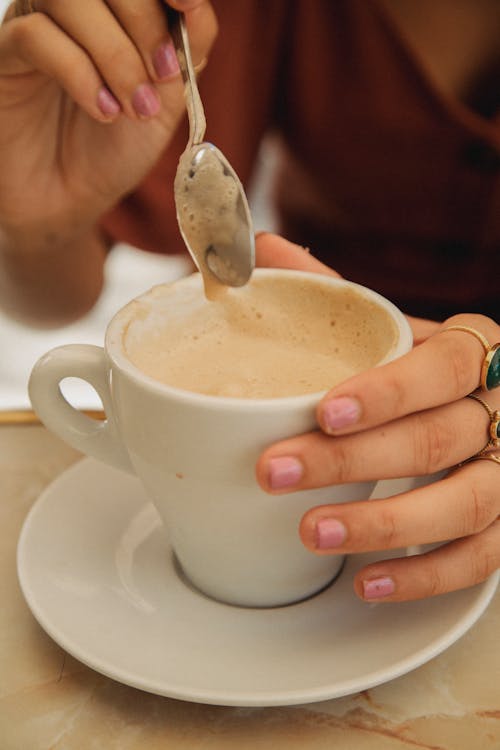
<point x="330" y="533"/>
<point x="145" y="101"/>
<point x="107" y="103"/>
<point x="378" y="588"/>
<point x="340" y="412"/>
<point x="165" y="61"/>
<point x="284" y="471"/>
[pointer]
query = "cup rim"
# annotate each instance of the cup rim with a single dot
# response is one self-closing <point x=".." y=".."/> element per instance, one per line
<point x="114" y="349"/>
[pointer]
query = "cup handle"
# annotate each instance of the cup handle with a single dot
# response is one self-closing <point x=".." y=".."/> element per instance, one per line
<point x="96" y="438"/>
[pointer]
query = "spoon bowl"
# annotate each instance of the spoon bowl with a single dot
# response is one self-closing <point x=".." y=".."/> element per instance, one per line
<point x="212" y="208"/>
<point x="213" y="214"/>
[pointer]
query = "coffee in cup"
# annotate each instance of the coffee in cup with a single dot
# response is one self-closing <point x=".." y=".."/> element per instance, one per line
<point x="269" y="339"/>
<point x="194" y="390"/>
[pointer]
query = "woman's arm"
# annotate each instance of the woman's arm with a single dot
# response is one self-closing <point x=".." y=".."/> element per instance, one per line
<point x="90" y="94"/>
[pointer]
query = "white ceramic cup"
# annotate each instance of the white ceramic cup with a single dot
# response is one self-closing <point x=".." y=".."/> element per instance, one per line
<point x="196" y="456"/>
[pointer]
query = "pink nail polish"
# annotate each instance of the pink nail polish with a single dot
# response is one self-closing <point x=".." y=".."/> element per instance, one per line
<point x="330" y="533"/>
<point x="377" y="588"/>
<point x="340" y="412"/>
<point x="107" y="103"/>
<point x="165" y="61"/>
<point x="146" y="101"/>
<point x="284" y="471"/>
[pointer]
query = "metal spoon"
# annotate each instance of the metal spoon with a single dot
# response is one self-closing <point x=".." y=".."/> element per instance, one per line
<point x="212" y="208"/>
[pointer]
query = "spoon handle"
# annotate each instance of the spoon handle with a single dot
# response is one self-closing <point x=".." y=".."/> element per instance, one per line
<point x="196" y="114"/>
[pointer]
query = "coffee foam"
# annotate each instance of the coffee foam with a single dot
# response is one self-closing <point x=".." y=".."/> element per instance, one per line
<point x="212" y="201"/>
<point x="271" y="338"/>
<point x="206" y="197"/>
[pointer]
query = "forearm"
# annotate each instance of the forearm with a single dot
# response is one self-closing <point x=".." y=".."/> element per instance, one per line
<point x="50" y="278"/>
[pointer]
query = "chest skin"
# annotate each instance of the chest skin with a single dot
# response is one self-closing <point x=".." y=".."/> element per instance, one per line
<point x="457" y="43"/>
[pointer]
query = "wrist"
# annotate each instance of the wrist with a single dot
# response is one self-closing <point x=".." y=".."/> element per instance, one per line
<point x="50" y="276"/>
<point x="42" y="235"/>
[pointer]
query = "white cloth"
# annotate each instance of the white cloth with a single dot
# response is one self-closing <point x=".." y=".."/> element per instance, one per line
<point x="129" y="272"/>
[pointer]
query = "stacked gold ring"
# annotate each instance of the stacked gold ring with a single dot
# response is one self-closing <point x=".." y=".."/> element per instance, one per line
<point x="490" y="370"/>
<point x="482" y="456"/>
<point x="494" y="426"/>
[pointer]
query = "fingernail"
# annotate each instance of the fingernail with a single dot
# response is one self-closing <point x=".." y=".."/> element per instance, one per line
<point x="146" y="101"/>
<point x="330" y="533"/>
<point x="107" y="103"/>
<point x="165" y="61"/>
<point x="284" y="471"/>
<point x="340" y="412"/>
<point x="377" y="588"/>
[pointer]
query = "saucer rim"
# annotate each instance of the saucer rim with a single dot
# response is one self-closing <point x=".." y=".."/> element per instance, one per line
<point x="484" y="593"/>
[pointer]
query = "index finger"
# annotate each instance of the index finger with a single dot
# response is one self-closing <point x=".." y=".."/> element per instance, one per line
<point x="444" y="368"/>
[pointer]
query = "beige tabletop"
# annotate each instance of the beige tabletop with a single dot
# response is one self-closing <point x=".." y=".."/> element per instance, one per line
<point x="50" y="701"/>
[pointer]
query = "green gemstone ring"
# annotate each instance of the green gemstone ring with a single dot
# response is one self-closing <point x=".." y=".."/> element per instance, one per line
<point x="490" y="373"/>
<point x="490" y="370"/>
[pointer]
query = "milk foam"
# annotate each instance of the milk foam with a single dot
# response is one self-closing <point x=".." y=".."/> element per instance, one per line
<point x="213" y="201"/>
<point x="268" y="339"/>
<point x="205" y="200"/>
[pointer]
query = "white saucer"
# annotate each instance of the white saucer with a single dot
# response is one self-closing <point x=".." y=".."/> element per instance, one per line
<point x="98" y="574"/>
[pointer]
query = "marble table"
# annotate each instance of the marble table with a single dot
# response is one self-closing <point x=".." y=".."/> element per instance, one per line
<point x="50" y="701"/>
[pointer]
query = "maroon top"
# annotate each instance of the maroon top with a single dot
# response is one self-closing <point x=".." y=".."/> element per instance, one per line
<point x="382" y="177"/>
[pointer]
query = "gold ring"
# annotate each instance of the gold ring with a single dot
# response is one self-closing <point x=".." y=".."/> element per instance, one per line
<point x="200" y="66"/>
<point x="481" y="456"/>
<point x="490" y="370"/>
<point x="494" y="426"/>
<point x="24" y="8"/>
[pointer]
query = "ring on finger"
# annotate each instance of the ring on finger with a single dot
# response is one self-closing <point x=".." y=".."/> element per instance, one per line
<point x="490" y="370"/>
<point x="200" y="66"/>
<point x="482" y="457"/>
<point x="494" y="426"/>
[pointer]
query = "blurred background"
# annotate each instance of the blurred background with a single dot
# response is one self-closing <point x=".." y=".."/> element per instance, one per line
<point x="128" y="272"/>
